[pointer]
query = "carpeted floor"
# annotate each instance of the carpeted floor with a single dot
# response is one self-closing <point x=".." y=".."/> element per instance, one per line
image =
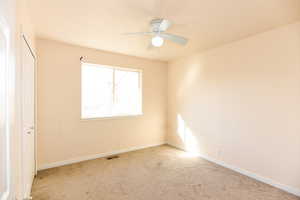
<point x="158" y="173"/>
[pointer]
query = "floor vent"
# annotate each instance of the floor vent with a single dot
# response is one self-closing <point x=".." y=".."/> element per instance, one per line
<point x="112" y="157"/>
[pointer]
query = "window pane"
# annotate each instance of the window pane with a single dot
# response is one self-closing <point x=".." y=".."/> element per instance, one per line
<point x="127" y="93"/>
<point x="97" y="91"/>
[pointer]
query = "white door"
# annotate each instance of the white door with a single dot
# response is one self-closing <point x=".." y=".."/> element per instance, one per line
<point x="28" y="77"/>
<point x="4" y="117"/>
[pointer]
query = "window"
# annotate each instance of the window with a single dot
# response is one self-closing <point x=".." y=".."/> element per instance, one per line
<point x="108" y="91"/>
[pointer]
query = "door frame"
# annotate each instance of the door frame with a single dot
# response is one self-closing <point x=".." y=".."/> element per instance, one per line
<point x="24" y="39"/>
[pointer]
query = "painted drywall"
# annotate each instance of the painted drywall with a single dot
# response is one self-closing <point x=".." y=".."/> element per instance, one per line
<point x="62" y="135"/>
<point x="26" y="26"/>
<point x="239" y="104"/>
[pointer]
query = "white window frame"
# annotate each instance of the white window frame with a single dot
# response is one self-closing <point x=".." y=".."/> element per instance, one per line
<point x="140" y="71"/>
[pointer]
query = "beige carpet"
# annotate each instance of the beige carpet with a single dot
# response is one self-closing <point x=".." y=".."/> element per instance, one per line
<point x="155" y="173"/>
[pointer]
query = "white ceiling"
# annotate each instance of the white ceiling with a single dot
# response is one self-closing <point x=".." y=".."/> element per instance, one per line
<point x="207" y="23"/>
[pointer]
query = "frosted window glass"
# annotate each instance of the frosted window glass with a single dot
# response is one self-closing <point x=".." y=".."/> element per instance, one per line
<point x="97" y="96"/>
<point x="127" y="92"/>
<point x="108" y="91"/>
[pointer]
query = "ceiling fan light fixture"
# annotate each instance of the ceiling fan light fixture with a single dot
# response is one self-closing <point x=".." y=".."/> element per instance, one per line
<point x="157" y="41"/>
<point x="158" y="28"/>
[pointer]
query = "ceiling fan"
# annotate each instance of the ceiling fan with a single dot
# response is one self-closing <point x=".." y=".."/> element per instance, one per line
<point x="157" y="31"/>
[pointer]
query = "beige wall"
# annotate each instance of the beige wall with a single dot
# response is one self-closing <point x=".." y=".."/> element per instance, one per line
<point x="61" y="133"/>
<point x="239" y="104"/>
<point x="26" y="25"/>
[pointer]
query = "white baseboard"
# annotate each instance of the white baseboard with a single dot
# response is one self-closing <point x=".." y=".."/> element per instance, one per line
<point x="268" y="181"/>
<point x="91" y="157"/>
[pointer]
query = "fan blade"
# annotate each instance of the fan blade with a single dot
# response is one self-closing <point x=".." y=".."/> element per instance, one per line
<point x="140" y="33"/>
<point x="174" y="38"/>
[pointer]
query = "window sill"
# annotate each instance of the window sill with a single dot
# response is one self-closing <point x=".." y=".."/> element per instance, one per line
<point x="111" y="117"/>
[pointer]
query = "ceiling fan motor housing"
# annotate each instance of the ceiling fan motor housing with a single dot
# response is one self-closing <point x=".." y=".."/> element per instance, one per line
<point x="159" y="25"/>
<point x="157" y="32"/>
